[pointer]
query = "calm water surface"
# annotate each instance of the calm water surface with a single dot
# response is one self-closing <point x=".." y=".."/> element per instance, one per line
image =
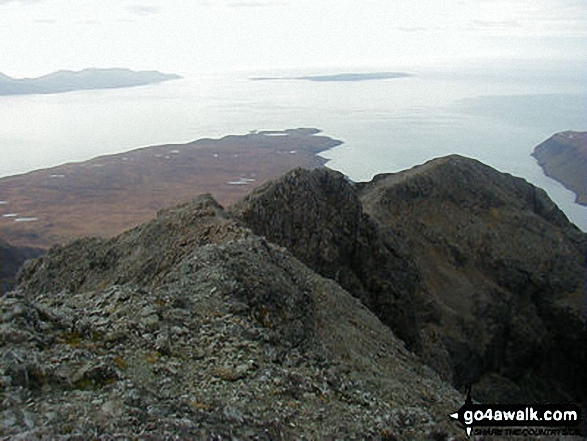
<point x="492" y="114"/>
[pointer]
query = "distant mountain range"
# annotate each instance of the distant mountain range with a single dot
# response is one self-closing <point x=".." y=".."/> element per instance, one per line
<point x="87" y="79"/>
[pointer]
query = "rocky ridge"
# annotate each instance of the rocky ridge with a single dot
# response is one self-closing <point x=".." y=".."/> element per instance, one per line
<point x="191" y="326"/>
<point x="503" y="271"/>
<point x="477" y="271"/>
<point x="313" y="306"/>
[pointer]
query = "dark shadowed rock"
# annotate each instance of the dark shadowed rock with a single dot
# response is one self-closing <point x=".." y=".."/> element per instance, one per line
<point x="504" y="272"/>
<point x="11" y="259"/>
<point x="317" y="216"/>
<point x="472" y="268"/>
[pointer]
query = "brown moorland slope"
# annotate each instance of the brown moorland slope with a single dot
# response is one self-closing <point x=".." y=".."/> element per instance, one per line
<point x="109" y="194"/>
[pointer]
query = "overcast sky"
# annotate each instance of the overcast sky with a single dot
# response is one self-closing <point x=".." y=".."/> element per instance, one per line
<point x="183" y="36"/>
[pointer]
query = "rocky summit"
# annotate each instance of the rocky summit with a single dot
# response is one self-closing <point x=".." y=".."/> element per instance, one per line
<point x="314" y="308"/>
<point x="477" y="271"/>
<point x="502" y="270"/>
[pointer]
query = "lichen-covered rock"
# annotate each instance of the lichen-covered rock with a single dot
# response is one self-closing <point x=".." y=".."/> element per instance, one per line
<point x="226" y="336"/>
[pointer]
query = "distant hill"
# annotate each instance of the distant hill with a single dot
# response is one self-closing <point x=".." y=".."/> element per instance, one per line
<point x="87" y="79"/>
<point x="563" y="157"/>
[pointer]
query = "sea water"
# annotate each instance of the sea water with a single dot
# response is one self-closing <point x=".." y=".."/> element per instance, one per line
<point x="496" y="113"/>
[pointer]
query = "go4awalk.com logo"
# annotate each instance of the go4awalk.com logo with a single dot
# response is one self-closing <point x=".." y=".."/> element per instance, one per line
<point x="518" y="419"/>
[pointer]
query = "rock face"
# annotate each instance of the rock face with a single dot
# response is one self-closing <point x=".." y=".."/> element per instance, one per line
<point x="503" y="271"/>
<point x="317" y="215"/>
<point x="11" y="259"/>
<point x="564" y="157"/>
<point x="477" y="271"/>
<point x="297" y="312"/>
<point x="191" y="326"/>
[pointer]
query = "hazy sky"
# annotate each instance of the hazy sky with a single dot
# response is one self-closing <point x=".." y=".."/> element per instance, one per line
<point x="182" y="36"/>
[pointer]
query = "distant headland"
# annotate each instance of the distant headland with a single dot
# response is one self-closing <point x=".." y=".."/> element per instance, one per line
<point x="563" y="157"/>
<point x="87" y="79"/>
<point x="366" y="76"/>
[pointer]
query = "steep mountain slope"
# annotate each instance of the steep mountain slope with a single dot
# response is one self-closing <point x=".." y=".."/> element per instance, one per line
<point x="317" y="216"/>
<point x="504" y="275"/>
<point x="477" y="271"/>
<point x="192" y="326"/>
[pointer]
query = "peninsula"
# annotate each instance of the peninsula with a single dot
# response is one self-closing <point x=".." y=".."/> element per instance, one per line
<point x="563" y="157"/>
<point x="109" y="194"/>
<point x="87" y="79"/>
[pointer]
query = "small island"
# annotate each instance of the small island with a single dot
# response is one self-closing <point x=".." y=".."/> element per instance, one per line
<point x="366" y="76"/>
<point x="87" y="79"/>
<point x="563" y="157"/>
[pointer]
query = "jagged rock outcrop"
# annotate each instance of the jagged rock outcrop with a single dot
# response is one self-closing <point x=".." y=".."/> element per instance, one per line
<point x="472" y="268"/>
<point x="211" y="322"/>
<point x="504" y="272"/>
<point x="317" y="216"/>
<point x="191" y="326"/>
<point x="11" y="259"/>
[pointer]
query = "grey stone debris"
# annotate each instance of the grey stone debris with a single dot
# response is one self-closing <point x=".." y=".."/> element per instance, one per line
<point x="315" y="308"/>
<point x="192" y="327"/>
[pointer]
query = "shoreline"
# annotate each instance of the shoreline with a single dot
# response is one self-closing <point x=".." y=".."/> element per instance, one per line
<point x="563" y="158"/>
<point x="108" y="194"/>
